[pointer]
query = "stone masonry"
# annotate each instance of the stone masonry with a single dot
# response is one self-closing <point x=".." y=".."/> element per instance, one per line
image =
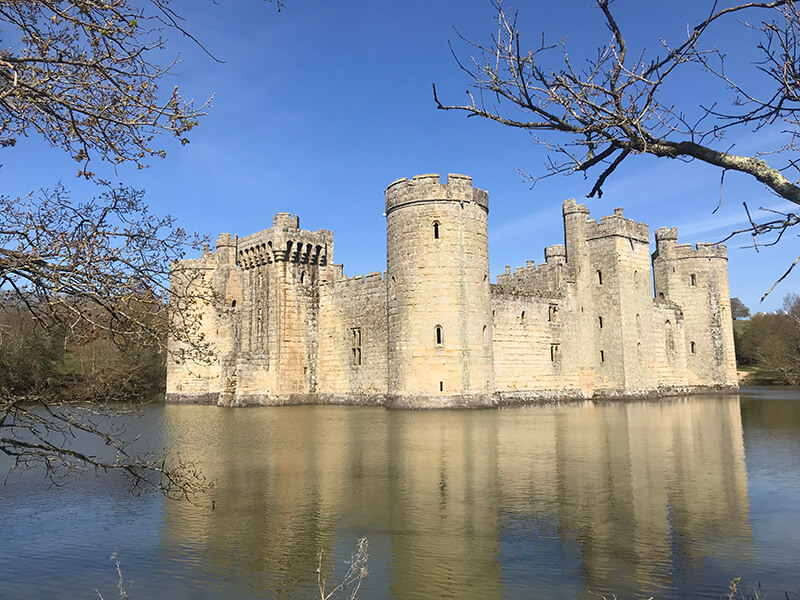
<point x="287" y="326"/>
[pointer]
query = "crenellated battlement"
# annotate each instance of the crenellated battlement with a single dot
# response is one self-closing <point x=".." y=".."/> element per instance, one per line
<point x="617" y="225"/>
<point x="286" y="221"/>
<point x="556" y="254"/>
<point x="285" y="242"/>
<point x="428" y="188"/>
<point x="545" y="277"/>
<point x="570" y="207"/>
<point x="668" y="248"/>
<point x="370" y="281"/>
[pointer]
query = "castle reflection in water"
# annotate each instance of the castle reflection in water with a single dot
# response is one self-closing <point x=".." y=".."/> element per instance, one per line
<point x="625" y="498"/>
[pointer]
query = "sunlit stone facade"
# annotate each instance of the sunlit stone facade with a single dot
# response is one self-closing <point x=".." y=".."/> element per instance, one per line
<point x="431" y="331"/>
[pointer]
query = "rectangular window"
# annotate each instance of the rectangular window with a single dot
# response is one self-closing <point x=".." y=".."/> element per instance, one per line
<point x="355" y="335"/>
<point x="600" y="321"/>
<point x="555" y="353"/>
<point x="602" y="356"/>
<point x="552" y="313"/>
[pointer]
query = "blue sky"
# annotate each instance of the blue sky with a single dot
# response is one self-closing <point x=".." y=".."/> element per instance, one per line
<point x="318" y="108"/>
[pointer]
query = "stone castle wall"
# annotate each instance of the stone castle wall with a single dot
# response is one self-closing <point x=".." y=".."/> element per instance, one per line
<point x="353" y="354"/>
<point x="288" y="327"/>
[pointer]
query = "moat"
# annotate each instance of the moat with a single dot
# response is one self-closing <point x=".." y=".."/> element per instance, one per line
<point x="669" y="499"/>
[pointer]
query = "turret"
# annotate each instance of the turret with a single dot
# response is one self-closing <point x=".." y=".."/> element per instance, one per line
<point x="696" y="279"/>
<point x="440" y="350"/>
<point x="226" y="249"/>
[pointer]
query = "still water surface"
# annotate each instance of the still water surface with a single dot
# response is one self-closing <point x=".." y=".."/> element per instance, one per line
<point x="670" y="499"/>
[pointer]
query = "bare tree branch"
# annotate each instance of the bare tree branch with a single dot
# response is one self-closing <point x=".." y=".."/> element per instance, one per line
<point x="613" y="105"/>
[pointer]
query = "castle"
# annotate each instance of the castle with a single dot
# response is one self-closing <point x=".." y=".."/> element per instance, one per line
<point x="432" y="332"/>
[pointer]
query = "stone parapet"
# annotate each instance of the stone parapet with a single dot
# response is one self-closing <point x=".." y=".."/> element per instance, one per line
<point x="617" y="225"/>
<point x="428" y="188"/>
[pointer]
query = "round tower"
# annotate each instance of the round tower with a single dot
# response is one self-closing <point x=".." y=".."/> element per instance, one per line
<point x="440" y="316"/>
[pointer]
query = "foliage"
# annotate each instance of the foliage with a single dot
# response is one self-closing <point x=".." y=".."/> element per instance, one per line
<point x="82" y="74"/>
<point x="770" y="344"/>
<point x="85" y="307"/>
<point x="101" y="265"/>
<point x="739" y="310"/>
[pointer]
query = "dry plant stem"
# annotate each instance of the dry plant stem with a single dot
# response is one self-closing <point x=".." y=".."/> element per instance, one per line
<point x="351" y="582"/>
<point x="610" y="108"/>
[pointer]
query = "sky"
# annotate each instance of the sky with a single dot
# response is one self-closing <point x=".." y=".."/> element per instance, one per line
<point x="316" y="109"/>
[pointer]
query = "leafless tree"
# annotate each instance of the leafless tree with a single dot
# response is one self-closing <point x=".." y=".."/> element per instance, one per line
<point x="89" y="269"/>
<point x="84" y="75"/>
<point x="601" y="110"/>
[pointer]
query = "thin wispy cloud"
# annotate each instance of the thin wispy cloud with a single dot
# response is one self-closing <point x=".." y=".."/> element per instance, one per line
<point x="724" y="224"/>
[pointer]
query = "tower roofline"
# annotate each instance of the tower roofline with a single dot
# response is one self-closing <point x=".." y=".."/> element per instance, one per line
<point x="428" y="188"/>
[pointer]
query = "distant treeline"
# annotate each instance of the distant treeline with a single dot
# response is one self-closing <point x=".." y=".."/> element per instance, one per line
<point x="768" y="344"/>
<point x="40" y="362"/>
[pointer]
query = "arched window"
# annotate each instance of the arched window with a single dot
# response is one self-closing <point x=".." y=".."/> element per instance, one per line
<point x="436" y="230"/>
<point x="438" y="335"/>
<point x="691" y="347"/>
<point x="599" y="277"/>
<point x="302" y="277"/>
<point x="522" y="316"/>
<point x="692" y="280"/>
<point x="233" y="304"/>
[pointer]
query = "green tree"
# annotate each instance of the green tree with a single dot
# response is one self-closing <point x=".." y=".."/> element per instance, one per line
<point x="739" y="310"/>
<point x="770" y="343"/>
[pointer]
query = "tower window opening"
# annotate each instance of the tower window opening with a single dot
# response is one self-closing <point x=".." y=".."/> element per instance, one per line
<point x="552" y="313"/>
<point x="600" y="321"/>
<point x="233" y="303"/>
<point x="436" y="230"/>
<point x="522" y="316"/>
<point x="692" y="280"/>
<point x="670" y="340"/>
<point x="439" y="335"/>
<point x="355" y="335"/>
<point x="441" y="386"/>
<point x="691" y="347"/>
<point x="599" y="277"/>
<point x="302" y="277"/>
<point x="555" y="352"/>
<point x="602" y="356"/>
